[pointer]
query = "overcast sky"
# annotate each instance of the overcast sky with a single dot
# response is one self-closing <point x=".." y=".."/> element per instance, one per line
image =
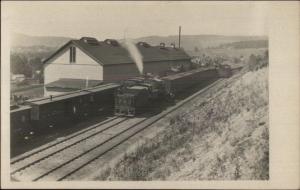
<point x="134" y="19"/>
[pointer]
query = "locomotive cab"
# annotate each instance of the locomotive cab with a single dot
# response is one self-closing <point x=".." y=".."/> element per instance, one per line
<point x="135" y="94"/>
<point x="131" y="101"/>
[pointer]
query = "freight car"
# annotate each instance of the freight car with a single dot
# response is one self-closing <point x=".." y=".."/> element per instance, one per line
<point x="62" y="110"/>
<point x="174" y="84"/>
<point x="137" y="98"/>
<point x="20" y="122"/>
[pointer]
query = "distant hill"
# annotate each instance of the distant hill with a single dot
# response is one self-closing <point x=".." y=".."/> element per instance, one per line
<point x="246" y="44"/>
<point x="189" y="42"/>
<point x="21" y="40"/>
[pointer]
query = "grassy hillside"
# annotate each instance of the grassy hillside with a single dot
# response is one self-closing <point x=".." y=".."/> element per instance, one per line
<point x="224" y="138"/>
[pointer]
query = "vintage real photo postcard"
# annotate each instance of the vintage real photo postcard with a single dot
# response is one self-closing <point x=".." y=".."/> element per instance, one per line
<point x="150" y="94"/>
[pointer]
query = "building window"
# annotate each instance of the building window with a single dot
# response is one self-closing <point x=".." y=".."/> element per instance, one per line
<point x="72" y="54"/>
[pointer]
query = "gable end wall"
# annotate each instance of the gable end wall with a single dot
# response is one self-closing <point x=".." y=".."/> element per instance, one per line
<point x="84" y="67"/>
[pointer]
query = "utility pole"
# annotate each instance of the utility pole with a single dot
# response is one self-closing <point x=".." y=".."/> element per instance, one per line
<point x="179" y="37"/>
<point x="87" y="82"/>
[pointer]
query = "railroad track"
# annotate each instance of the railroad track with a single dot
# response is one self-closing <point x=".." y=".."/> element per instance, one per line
<point x="34" y="169"/>
<point x="49" y="145"/>
<point x="64" y="162"/>
<point x="50" y="149"/>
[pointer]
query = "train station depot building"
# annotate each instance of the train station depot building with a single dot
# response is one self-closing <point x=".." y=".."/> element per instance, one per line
<point x="89" y="62"/>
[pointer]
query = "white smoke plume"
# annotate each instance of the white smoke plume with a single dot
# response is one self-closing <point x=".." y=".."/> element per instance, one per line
<point x="135" y="54"/>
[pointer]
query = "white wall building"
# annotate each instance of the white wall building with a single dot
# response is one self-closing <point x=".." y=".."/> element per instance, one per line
<point x="105" y="61"/>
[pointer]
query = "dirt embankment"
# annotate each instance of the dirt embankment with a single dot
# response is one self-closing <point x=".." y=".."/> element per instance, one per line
<point x="223" y="138"/>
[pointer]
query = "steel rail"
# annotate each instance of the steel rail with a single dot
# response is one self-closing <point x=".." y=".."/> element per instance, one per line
<point x="66" y="147"/>
<point x="89" y="150"/>
<point x="62" y="141"/>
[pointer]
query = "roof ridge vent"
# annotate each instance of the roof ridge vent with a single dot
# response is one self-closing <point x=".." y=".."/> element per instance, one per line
<point x="174" y="47"/>
<point x="112" y="42"/>
<point x="90" y="40"/>
<point x="144" y="44"/>
<point x="162" y="45"/>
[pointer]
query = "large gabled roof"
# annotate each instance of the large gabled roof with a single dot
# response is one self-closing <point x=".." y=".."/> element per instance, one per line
<point x="110" y="52"/>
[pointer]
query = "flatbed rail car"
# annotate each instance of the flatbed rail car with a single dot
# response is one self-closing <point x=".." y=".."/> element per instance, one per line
<point x="66" y="109"/>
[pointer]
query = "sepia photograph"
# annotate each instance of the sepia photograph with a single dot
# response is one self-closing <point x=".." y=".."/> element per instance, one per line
<point x="100" y="91"/>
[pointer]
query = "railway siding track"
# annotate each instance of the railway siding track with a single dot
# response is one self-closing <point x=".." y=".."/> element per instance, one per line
<point x="57" y="142"/>
<point x="71" y="165"/>
<point x="57" y="147"/>
<point x="51" y="162"/>
<point x="71" y="160"/>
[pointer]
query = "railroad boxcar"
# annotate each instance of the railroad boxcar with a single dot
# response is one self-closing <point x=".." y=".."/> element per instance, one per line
<point x="101" y="99"/>
<point x="55" y="110"/>
<point x="174" y="84"/>
<point x="72" y="107"/>
<point x="20" y="123"/>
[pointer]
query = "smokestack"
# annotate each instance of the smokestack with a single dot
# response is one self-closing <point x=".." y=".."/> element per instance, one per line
<point x="179" y="37"/>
